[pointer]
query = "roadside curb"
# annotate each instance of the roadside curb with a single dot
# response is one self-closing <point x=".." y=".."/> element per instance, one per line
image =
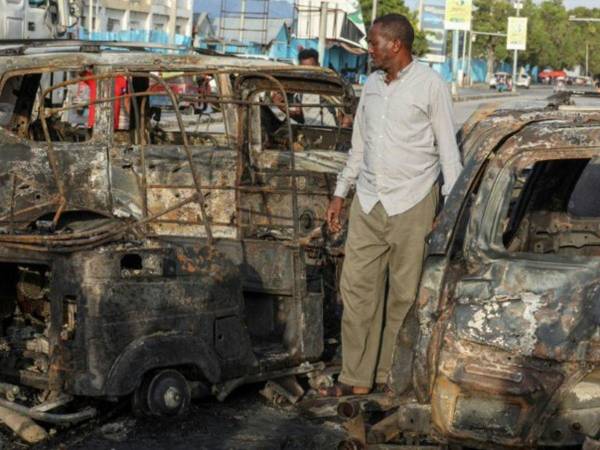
<point x="466" y="98"/>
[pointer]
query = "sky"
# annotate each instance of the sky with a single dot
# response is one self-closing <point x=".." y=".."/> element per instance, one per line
<point x="568" y="3"/>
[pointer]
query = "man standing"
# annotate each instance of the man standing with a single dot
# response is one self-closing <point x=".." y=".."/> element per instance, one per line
<point x="403" y="134"/>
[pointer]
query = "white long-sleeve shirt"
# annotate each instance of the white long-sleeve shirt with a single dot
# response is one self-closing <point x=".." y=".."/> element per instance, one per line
<point x="403" y="133"/>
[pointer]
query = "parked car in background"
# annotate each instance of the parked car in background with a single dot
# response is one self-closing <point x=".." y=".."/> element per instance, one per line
<point x="524" y="81"/>
<point x="501" y="81"/>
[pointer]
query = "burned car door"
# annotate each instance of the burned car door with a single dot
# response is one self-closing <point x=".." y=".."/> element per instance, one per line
<point x="513" y="358"/>
<point x="55" y="151"/>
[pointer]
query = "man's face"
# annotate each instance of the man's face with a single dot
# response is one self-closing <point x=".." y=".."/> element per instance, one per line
<point x="381" y="48"/>
<point x="309" y="62"/>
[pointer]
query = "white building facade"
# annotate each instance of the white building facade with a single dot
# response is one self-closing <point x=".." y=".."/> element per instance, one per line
<point x="171" y="18"/>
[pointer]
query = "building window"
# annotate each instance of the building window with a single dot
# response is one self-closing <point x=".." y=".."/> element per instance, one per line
<point x="113" y="25"/>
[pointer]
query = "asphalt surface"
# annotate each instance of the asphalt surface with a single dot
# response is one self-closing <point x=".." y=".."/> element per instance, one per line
<point x="245" y="420"/>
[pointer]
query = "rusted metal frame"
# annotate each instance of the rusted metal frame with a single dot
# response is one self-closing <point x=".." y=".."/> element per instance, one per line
<point x="255" y="189"/>
<point x="201" y="199"/>
<point x="53" y="161"/>
<point x="190" y="222"/>
<point x="286" y="173"/>
<point x="259" y="213"/>
<point x="66" y="238"/>
<point x="280" y="87"/>
<point x="13" y="196"/>
<point x="107" y="99"/>
<point x="171" y="95"/>
<point x="242" y="114"/>
<point x="89" y="243"/>
<point x="141" y="129"/>
<point x="31" y="208"/>
<point x="251" y="103"/>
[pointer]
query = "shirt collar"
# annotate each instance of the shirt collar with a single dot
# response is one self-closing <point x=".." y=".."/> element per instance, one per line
<point x="401" y="74"/>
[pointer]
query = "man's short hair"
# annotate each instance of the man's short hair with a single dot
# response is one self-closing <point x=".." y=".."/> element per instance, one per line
<point x="308" y="53"/>
<point x="397" y="26"/>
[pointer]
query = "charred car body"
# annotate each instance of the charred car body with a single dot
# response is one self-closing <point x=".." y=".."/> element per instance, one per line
<point x="143" y="250"/>
<point x="507" y="317"/>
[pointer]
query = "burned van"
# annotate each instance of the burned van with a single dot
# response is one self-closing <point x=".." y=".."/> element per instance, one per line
<point x="507" y="319"/>
<point x="149" y="253"/>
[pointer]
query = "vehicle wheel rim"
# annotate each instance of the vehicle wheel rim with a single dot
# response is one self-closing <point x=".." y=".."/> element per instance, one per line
<point x="168" y="393"/>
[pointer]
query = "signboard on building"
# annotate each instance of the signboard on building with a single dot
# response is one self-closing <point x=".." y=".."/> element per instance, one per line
<point x="432" y="23"/>
<point x="516" y="34"/>
<point x="458" y="14"/>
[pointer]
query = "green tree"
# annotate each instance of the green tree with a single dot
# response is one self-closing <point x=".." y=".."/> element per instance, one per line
<point x="490" y="16"/>
<point x="398" y="7"/>
<point x="586" y="36"/>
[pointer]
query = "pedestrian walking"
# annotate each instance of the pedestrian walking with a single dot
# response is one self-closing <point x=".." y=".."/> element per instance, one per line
<point x="403" y="137"/>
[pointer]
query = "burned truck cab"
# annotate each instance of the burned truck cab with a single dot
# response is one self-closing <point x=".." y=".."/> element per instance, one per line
<point x="157" y="254"/>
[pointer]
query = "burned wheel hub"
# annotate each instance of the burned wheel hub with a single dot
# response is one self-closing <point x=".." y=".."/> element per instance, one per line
<point x="167" y="393"/>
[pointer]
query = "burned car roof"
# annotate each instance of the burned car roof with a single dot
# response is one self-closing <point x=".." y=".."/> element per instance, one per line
<point x="501" y="133"/>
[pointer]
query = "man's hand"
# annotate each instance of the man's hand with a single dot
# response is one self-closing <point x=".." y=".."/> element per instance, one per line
<point x="333" y="214"/>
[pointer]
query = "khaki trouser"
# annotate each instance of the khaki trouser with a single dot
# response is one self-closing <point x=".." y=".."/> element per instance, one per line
<point x="380" y="249"/>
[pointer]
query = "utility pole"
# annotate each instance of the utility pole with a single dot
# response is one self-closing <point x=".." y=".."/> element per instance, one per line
<point x="322" y="33"/>
<point x="421" y="8"/>
<point x="518" y="5"/>
<point x="471" y="39"/>
<point x="587" y="44"/>
<point x="373" y="17"/>
<point x="455" y="38"/>
<point x="587" y="58"/>
<point x="90" y="21"/>
<point x="463" y="65"/>
<point x="374" y="12"/>
<point x="242" y="19"/>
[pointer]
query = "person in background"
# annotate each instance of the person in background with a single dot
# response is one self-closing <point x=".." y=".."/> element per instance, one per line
<point x="312" y="115"/>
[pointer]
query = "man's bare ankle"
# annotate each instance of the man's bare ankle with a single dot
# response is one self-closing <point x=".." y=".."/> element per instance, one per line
<point x="360" y="390"/>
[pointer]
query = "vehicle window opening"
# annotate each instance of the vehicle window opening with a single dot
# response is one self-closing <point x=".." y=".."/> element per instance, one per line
<point x="317" y="122"/>
<point x="23" y="95"/>
<point x="554" y="208"/>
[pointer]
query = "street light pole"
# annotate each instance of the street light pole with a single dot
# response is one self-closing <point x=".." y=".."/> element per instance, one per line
<point x="587" y="44"/>
<point x="455" y="37"/>
<point x="322" y="33"/>
<point x="471" y="39"/>
<point x="518" y="5"/>
<point x="373" y="17"/>
<point x="587" y="58"/>
<point x="463" y="65"/>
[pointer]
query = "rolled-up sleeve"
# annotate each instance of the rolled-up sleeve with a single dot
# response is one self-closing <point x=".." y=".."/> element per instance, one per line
<point x="443" y="129"/>
<point x="348" y="176"/>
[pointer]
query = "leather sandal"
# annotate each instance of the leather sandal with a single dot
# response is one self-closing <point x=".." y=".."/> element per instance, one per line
<point x="339" y="390"/>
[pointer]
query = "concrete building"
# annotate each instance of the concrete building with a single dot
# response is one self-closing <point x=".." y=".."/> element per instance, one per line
<point x="162" y="21"/>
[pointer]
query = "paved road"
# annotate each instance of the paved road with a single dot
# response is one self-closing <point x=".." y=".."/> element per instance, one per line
<point x="525" y="97"/>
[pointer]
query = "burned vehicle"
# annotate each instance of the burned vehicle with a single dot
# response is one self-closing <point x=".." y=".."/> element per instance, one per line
<point x="507" y="318"/>
<point x="154" y="254"/>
